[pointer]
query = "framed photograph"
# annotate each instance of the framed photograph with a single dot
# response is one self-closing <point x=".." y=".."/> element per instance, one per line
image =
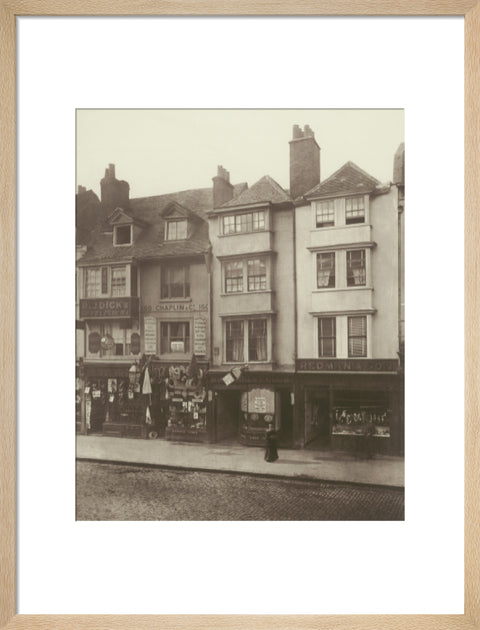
<point x="185" y="289"/>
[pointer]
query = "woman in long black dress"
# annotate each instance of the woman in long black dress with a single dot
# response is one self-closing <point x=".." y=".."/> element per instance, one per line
<point x="271" y="453"/>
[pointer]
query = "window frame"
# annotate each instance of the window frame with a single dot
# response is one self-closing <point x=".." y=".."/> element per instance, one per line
<point x="332" y="278"/>
<point x="350" y="276"/>
<point x="351" y="337"/>
<point x="357" y="215"/>
<point x="244" y="263"/>
<point x="166" y="270"/>
<point x="125" y="278"/>
<point x="321" y="337"/>
<point x="121" y="334"/>
<point x="252" y="217"/>
<point x="246" y="339"/>
<point x="330" y="222"/>
<point x="115" y="235"/>
<point x="171" y="222"/>
<point x="235" y="280"/>
<point x="186" y="338"/>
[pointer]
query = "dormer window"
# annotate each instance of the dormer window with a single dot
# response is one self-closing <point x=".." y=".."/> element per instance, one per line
<point x="122" y="235"/>
<point x="176" y="230"/>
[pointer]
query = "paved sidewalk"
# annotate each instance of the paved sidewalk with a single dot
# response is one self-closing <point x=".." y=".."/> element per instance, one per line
<point x="300" y="463"/>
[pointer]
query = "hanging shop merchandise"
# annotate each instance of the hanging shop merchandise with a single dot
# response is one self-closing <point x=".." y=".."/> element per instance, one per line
<point x="187" y="405"/>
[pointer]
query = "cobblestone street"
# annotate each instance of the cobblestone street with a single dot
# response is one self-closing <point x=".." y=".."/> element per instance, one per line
<point x="126" y="492"/>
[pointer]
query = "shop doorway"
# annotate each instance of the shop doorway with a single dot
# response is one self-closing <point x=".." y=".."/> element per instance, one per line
<point x="285" y="432"/>
<point x="317" y="419"/>
<point x="227" y="415"/>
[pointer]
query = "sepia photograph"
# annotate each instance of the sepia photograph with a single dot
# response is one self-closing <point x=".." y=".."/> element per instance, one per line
<point x="240" y="315"/>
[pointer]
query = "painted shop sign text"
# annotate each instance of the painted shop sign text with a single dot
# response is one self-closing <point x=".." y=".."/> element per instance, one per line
<point x="347" y="365"/>
<point x="111" y="307"/>
<point x="182" y="307"/>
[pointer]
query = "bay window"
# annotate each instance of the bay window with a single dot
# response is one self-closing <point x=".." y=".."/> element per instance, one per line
<point x="249" y="274"/>
<point x="106" y="281"/>
<point x="244" y="222"/>
<point x="246" y="340"/>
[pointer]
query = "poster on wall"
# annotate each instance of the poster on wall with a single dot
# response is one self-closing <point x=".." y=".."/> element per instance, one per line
<point x="150" y="334"/>
<point x="200" y="339"/>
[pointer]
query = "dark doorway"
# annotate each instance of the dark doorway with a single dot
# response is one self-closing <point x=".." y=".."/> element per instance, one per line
<point x="285" y="433"/>
<point x="227" y="415"/>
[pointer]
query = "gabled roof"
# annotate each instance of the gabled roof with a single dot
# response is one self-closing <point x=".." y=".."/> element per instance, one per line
<point x="350" y="179"/>
<point x="150" y="242"/>
<point x="120" y="217"/>
<point x="266" y="190"/>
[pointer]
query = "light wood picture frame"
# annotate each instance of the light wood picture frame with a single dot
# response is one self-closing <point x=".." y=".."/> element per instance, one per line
<point x="9" y="11"/>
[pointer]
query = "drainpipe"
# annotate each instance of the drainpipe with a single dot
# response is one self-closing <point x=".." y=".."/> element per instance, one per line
<point x="213" y="402"/>
<point x="295" y="328"/>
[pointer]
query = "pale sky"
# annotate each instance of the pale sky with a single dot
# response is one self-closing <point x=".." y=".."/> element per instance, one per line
<point x="162" y="151"/>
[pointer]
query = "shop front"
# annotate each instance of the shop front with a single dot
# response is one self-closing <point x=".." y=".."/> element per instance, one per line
<point x="247" y="404"/>
<point x="179" y="401"/>
<point x="350" y="405"/>
<point x="112" y="400"/>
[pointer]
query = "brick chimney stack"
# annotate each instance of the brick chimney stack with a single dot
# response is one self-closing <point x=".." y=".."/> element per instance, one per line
<point x="114" y="193"/>
<point x="222" y="188"/>
<point x="304" y="161"/>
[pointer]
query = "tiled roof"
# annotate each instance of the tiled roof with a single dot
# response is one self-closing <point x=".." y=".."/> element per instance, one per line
<point x="88" y="214"/>
<point x="349" y="179"/>
<point x="149" y="243"/>
<point x="265" y="190"/>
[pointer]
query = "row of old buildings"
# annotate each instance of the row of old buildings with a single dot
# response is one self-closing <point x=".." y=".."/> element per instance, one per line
<point x="211" y="314"/>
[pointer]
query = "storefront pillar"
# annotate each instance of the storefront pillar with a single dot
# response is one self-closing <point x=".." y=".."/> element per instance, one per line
<point x="298" y="416"/>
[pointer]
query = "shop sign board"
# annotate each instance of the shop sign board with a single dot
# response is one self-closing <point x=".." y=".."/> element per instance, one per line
<point x="200" y="336"/>
<point x="150" y="335"/>
<point x="258" y="400"/>
<point x="347" y="365"/>
<point x="94" y="308"/>
<point x="228" y="379"/>
<point x="178" y="307"/>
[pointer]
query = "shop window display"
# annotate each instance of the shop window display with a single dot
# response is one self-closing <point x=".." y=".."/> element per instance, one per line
<point x="354" y="420"/>
<point x="187" y="403"/>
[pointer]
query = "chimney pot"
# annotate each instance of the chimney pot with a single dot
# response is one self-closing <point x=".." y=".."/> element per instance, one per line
<point x="304" y="161"/>
<point x="297" y="132"/>
<point x="222" y="188"/>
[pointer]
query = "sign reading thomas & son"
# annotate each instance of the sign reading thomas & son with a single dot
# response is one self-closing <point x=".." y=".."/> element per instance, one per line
<point x="347" y="365"/>
<point x="94" y="308"/>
